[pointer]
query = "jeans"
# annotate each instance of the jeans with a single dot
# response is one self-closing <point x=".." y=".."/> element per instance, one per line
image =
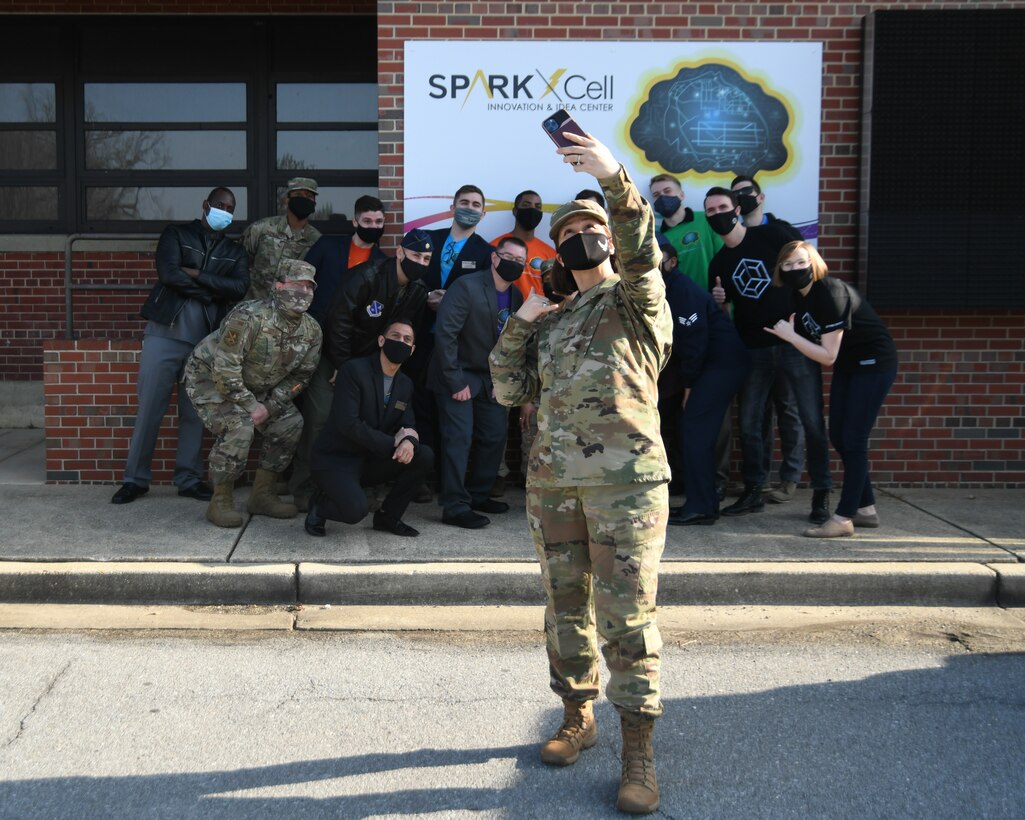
<point x="783" y="407"/>
<point x="805" y="379"/>
<point x="854" y="402"/>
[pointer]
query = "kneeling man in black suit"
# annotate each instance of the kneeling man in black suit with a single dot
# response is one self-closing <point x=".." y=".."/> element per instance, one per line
<point x="369" y="439"/>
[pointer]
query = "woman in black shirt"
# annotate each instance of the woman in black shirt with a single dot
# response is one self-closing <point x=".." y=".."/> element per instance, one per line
<point x="836" y="326"/>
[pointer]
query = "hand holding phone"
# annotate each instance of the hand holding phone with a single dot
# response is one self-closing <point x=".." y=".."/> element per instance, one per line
<point x="558" y="125"/>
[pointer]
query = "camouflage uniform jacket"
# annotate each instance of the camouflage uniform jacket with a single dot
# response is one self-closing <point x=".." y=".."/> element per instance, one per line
<point x="258" y="355"/>
<point x="595" y="364"/>
<point x="267" y="242"/>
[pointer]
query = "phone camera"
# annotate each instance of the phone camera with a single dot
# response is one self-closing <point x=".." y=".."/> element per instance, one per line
<point x="551" y="126"/>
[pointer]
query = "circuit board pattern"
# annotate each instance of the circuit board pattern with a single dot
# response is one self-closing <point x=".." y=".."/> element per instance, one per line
<point x="709" y="118"/>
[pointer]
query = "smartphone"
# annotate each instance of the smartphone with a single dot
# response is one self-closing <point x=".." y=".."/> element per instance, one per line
<point x="558" y="124"/>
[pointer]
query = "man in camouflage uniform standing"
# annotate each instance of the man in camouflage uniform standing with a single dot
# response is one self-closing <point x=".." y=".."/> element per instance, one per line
<point x="597" y="499"/>
<point x="290" y="236"/>
<point x="244" y="377"/>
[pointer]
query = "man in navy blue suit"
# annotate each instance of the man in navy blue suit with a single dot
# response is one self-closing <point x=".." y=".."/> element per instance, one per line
<point x="458" y="250"/>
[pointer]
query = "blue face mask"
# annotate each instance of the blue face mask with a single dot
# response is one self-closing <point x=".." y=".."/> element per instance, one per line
<point x="217" y="219"/>
<point x="667" y="205"/>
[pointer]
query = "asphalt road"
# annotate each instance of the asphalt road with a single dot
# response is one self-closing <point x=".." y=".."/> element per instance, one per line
<point x="851" y="723"/>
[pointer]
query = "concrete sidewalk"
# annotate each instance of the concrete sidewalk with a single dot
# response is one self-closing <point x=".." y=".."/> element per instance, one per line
<point x="68" y="544"/>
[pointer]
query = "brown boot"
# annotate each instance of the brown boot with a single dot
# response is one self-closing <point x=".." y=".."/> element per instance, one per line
<point x="221" y="510"/>
<point x="263" y="501"/>
<point x="638" y="789"/>
<point x="578" y="731"/>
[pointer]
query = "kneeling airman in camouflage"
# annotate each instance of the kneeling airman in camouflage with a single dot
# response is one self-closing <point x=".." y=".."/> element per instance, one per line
<point x="597" y="499"/>
<point x="244" y="377"/>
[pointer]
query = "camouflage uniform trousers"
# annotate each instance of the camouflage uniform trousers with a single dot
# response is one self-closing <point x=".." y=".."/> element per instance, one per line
<point x="599" y="549"/>
<point x="234" y="430"/>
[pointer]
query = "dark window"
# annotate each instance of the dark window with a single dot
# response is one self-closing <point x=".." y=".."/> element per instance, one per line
<point x="116" y="123"/>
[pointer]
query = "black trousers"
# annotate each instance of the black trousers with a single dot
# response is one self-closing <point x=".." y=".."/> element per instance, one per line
<point x="341" y="483"/>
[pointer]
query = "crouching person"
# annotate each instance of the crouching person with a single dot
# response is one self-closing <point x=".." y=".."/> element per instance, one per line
<point x="370" y="439"/>
<point x="244" y="377"/>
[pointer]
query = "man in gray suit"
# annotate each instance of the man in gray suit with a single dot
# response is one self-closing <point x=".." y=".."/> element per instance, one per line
<point x="470" y="319"/>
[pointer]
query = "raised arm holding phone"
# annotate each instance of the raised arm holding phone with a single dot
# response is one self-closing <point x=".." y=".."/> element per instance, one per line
<point x="597" y="497"/>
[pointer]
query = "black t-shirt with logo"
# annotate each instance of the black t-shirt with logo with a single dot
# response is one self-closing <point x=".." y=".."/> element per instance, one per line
<point x="831" y="305"/>
<point x="746" y="274"/>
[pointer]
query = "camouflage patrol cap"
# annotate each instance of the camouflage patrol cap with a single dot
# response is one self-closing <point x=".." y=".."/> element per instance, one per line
<point x="578" y="207"/>
<point x="418" y="240"/>
<point x="302" y="184"/>
<point x="295" y="270"/>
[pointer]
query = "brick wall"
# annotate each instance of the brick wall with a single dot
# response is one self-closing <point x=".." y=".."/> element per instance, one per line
<point x="954" y="416"/>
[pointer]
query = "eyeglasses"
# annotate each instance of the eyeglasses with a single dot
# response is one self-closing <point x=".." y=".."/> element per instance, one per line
<point x="746" y="191"/>
<point x="518" y="260"/>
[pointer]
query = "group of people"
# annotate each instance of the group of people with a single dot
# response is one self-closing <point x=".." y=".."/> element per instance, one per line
<point x="599" y="338"/>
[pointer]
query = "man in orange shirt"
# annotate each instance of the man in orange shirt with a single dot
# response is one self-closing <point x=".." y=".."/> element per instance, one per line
<point x="527" y="212"/>
<point x="333" y="257"/>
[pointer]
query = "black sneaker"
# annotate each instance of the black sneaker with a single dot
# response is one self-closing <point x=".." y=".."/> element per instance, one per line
<point x="315" y="522"/>
<point x="819" y="507"/>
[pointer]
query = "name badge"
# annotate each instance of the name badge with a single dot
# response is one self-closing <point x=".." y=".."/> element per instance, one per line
<point x="469" y="264"/>
<point x="400" y="405"/>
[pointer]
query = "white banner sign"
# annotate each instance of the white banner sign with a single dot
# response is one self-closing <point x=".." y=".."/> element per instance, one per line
<point x="703" y="112"/>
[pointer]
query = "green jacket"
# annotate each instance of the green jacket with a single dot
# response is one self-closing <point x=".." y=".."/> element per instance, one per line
<point x="267" y="242"/>
<point x="595" y="364"/>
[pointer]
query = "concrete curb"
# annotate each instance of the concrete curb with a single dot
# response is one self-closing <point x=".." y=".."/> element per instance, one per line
<point x="452" y="584"/>
<point x="1010" y="584"/>
<point x="146" y="583"/>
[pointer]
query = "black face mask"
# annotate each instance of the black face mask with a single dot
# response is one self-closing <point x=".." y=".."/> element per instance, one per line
<point x="667" y="205"/>
<point x="301" y="206"/>
<point x="528" y="218"/>
<point x="747" y="203"/>
<point x="369" y="235"/>
<point x="395" y="351"/>
<point x="585" y="251"/>
<point x="796" y="278"/>
<point x="413" y="270"/>
<point x="722" y="223"/>
<point x="509" y="270"/>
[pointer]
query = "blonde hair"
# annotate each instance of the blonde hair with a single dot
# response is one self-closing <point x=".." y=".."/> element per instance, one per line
<point x="818" y="265"/>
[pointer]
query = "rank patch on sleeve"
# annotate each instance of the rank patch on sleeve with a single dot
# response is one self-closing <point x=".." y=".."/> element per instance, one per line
<point x="375" y="309"/>
<point x="231" y="337"/>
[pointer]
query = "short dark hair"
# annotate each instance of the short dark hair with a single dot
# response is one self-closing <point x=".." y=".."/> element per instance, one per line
<point x="588" y="193"/>
<point x="718" y="190"/>
<point x="400" y="320"/>
<point x="367" y="203"/>
<point x="749" y="180"/>
<point x="511" y="240"/>
<point x="522" y="194"/>
<point x="467" y="189"/>
<point x="220" y="189"/>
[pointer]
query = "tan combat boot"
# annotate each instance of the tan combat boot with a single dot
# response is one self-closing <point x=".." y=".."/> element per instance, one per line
<point x="578" y="731"/>
<point x="263" y="501"/>
<point x="638" y="789"/>
<point x="221" y="510"/>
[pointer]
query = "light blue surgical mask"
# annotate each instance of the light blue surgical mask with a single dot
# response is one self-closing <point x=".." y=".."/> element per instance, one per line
<point x="217" y="219"/>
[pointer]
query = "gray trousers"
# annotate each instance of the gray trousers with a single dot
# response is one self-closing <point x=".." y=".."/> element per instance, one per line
<point x="160" y="369"/>
<point x="315" y="406"/>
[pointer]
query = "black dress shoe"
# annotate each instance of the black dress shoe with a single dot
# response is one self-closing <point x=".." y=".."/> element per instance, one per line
<point x="489" y="505"/>
<point x="385" y="523"/>
<point x="720" y="492"/>
<point x="314" y="523"/>
<point x="692" y="518"/>
<point x="201" y="491"/>
<point x="128" y="493"/>
<point x="750" y="501"/>
<point x="467" y="519"/>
